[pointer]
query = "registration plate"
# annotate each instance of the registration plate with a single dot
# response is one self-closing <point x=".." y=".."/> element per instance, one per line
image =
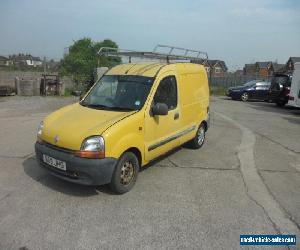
<point x="54" y="162"/>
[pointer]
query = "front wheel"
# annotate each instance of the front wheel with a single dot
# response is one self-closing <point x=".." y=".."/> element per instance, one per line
<point x="245" y="97"/>
<point x="125" y="174"/>
<point x="199" y="139"/>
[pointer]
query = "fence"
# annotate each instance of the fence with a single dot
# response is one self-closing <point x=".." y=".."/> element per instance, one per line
<point x="234" y="80"/>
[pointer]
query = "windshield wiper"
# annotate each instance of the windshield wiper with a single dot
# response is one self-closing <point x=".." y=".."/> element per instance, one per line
<point x="100" y="106"/>
<point x="121" y="108"/>
<point x="96" y="106"/>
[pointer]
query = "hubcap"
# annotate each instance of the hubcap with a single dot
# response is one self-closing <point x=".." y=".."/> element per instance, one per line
<point x="127" y="173"/>
<point x="200" y="135"/>
<point x="244" y="97"/>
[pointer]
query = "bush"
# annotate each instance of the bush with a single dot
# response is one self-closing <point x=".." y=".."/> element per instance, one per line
<point x="217" y="90"/>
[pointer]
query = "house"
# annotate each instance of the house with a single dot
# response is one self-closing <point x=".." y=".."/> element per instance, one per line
<point x="26" y="60"/>
<point x="289" y="66"/>
<point x="217" y="67"/>
<point x="239" y="72"/>
<point x="4" y="61"/>
<point x="33" y="61"/>
<point x="250" y="69"/>
<point x="278" y="68"/>
<point x="213" y="67"/>
<point x="264" y="69"/>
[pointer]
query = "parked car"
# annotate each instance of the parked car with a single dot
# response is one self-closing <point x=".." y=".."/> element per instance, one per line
<point x="280" y="89"/>
<point x="132" y="115"/>
<point x="294" y="96"/>
<point x="254" y="90"/>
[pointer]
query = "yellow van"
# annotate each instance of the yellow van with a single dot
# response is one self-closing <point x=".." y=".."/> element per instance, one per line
<point x="132" y="115"/>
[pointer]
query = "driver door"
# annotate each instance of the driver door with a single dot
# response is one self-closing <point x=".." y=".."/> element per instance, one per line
<point x="161" y="130"/>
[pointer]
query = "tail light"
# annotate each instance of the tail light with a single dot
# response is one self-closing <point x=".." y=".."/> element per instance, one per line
<point x="286" y="92"/>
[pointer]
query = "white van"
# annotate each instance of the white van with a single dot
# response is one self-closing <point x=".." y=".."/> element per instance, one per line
<point x="294" y="96"/>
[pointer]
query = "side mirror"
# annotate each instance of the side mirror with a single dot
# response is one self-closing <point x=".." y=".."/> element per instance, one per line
<point x="160" y="109"/>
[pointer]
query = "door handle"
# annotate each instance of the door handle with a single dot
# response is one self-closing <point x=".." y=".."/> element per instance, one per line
<point x="176" y="116"/>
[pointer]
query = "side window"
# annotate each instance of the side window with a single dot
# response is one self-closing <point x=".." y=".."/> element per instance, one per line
<point x="266" y="86"/>
<point x="167" y="92"/>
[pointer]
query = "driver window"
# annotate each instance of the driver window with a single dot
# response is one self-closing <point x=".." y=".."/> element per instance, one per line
<point x="167" y="92"/>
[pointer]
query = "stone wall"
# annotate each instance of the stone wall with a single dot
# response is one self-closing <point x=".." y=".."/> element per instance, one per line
<point x="9" y="78"/>
<point x="27" y="87"/>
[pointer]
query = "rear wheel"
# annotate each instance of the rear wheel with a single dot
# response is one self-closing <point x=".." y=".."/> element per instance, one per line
<point x="125" y="174"/>
<point x="199" y="139"/>
<point x="280" y="103"/>
<point x="245" y="97"/>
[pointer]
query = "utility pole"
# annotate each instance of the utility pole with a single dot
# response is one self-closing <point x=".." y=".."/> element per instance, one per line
<point x="44" y="81"/>
<point x="45" y="68"/>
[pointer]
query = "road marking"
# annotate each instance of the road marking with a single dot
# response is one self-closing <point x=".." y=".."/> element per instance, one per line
<point x="256" y="188"/>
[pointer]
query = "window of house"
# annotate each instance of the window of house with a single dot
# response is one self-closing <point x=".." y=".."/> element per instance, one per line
<point x="167" y="92"/>
<point x="218" y="70"/>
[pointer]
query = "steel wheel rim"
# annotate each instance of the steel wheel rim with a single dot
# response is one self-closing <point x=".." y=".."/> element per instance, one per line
<point x="127" y="173"/>
<point x="200" y="135"/>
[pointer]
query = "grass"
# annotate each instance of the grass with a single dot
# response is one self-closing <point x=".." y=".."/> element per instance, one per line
<point x="68" y="92"/>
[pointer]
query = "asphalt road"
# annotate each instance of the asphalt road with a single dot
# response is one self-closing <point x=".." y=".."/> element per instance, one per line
<point x="245" y="180"/>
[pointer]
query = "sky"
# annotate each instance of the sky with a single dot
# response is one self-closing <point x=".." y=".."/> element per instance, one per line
<point x="236" y="31"/>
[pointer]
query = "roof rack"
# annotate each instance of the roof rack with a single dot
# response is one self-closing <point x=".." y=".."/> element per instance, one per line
<point x="197" y="56"/>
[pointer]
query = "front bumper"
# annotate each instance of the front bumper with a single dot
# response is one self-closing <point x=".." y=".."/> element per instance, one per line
<point x="234" y="94"/>
<point x="79" y="170"/>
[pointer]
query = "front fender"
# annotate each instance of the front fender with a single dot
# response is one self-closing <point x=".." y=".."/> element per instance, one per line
<point x="126" y="142"/>
<point x="125" y="134"/>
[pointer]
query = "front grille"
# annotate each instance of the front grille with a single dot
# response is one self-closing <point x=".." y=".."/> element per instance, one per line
<point x="65" y="150"/>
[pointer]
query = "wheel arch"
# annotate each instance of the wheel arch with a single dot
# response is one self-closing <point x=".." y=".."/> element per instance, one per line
<point x="137" y="153"/>
<point x="205" y="125"/>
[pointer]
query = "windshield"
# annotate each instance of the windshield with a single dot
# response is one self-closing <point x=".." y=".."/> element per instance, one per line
<point x="119" y="93"/>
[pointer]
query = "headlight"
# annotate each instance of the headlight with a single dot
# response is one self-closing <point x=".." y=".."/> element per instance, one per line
<point x="92" y="147"/>
<point x="40" y="129"/>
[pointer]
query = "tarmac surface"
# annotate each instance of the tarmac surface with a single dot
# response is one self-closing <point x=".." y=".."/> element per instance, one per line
<point x="244" y="180"/>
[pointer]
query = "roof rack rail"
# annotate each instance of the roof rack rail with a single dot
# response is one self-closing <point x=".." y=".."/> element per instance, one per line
<point x="197" y="56"/>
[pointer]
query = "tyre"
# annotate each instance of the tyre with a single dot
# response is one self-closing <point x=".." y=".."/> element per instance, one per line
<point x="280" y="103"/>
<point x="125" y="174"/>
<point x="199" y="139"/>
<point x="245" y="97"/>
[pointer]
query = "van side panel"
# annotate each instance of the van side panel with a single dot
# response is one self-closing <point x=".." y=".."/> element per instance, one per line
<point x="295" y="87"/>
<point x="194" y="99"/>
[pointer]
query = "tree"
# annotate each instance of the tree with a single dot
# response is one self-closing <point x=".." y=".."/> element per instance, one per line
<point x="82" y="59"/>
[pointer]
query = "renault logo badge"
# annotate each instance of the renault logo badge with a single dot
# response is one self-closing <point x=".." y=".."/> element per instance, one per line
<point x="56" y="138"/>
